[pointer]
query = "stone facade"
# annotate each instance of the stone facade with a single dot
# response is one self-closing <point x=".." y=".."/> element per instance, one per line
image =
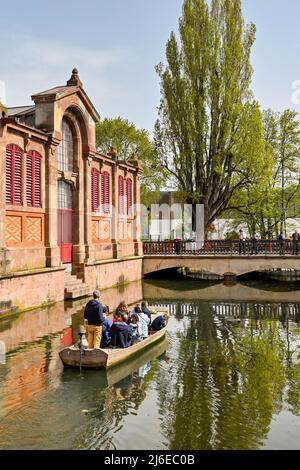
<point x="66" y="225"/>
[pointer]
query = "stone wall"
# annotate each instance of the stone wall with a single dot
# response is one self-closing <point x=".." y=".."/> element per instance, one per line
<point x="113" y="273"/>
<point x="22" y="259"/>
<point x="33" y="289"/>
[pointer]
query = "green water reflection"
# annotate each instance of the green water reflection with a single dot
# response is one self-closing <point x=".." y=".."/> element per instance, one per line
<point x="228" y="377"/>
<point x="228" y="383"/>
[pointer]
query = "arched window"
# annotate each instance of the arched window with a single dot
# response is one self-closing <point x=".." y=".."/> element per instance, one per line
<point x="128" y="195"/>
<point x="105" y="192"/>
<point x="14" y="175"/>
<point x="65" y="195"/>
<point x="95" y="190"/>
<point x="121" y="195"/>
<point x="33" y="179"/>
<point x="65" y="152"/>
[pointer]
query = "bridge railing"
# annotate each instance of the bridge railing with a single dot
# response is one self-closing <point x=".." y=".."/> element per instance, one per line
<point x="219" y="247"/>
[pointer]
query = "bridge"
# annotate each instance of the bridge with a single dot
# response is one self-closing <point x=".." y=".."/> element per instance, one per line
<point x="221" y="257"/>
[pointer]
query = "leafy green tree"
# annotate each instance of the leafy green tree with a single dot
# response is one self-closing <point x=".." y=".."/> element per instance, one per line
<point x="274" y="198"/>
<point x="288" y="162"/>
<point x="209" y="133"/>
<point x="127" y="139"/>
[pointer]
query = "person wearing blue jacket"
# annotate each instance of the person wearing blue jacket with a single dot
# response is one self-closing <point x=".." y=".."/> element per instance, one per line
<point x="120" y="333"/>
<point x="146" y="311"/>
<point x="160" y="322"/>
<point x="94" y="315"/>
<point x="106" y="333"/>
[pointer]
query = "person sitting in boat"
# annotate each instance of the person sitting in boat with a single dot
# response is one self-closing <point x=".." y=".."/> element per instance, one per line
<point x="106" y="333"/>
<point x="120" y="333"/>
<point x="143" y="321"/>
<point x="94" y="316"/>
<point x="138" y="309"/>
<point x="146" y="311"/>
<point x="123" y="307"/>
<point x="160" y="322"/>
<point x="135" y="326"/>
<point x="139" y="327"/>
<point x="133" y="310"/>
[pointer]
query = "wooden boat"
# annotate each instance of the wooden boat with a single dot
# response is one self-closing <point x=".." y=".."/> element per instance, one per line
<point x="110" y="357"/>
<point x="106" y="358"/>
<point x="108" y="377"/>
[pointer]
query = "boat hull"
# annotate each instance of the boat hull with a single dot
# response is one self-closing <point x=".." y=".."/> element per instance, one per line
<point x="107" y="358"/>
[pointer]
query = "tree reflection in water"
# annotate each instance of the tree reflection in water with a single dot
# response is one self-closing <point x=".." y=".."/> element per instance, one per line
<point x="227" y="380"/>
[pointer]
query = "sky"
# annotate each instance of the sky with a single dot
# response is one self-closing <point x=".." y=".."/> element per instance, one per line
<point x="116" y="44"/>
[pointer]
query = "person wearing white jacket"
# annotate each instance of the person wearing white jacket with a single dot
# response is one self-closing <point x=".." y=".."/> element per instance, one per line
<point x="242" y="242"/>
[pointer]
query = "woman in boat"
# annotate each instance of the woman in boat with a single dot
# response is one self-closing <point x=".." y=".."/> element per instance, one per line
<point x="160" y="322"/>
<point x="123" y="308"/>
<point x="120" y="333"/>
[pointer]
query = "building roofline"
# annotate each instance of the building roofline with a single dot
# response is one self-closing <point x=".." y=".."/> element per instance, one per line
<point x="22" y="127"/>
<point x="60" y="92"/>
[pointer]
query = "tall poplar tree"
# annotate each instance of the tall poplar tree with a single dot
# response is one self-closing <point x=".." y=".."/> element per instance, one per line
<point x="209" y="133"/>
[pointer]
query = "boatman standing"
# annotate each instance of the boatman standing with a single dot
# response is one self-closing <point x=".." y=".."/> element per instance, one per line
<point x="94" y="315"/>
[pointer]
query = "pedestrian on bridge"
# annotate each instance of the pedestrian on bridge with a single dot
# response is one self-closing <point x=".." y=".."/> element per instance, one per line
<point x="254" y="243"/>
<point x="281" y="240"/>
<point x="295" y="239"/>
<point x="242" y="242"/>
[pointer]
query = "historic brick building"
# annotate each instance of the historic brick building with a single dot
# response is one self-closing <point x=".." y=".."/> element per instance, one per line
<point x="62" y="202"/>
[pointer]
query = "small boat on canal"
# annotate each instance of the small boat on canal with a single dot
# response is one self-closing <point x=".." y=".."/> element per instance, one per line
<point x="107" y="358"/>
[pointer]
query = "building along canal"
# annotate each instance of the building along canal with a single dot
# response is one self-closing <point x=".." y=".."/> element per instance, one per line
<point x="227" y="376"/>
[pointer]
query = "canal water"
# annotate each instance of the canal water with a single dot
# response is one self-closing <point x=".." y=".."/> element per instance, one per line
<point x="227" y="376"/>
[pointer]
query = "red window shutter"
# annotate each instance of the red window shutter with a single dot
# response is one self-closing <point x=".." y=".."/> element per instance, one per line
<point x="29" y="181"/>
<point x="33" y="179"/>
<point x="105" y="192"/>
<point x="14" y="175"/>
<point x="18" y="178"/>
<point x="9" y="188"/>
<point x="37" y="180"/>
<point x="95" y="190"/>
<point x="129" y="194"/>
<point x="121" y="196"/>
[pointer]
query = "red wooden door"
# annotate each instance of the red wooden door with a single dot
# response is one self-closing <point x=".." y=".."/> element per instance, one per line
<point x="65" y="221"/>
<point x="65" y="234"/>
